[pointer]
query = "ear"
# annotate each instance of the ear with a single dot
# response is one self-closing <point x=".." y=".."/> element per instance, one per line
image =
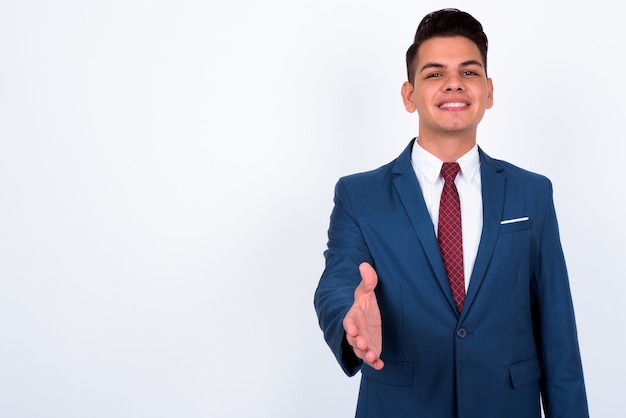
<point x="489" y="93"/>
<point x="407" y="97"/>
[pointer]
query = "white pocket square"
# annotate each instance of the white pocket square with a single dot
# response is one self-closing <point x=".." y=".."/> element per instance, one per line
<point x="512" y="221"/>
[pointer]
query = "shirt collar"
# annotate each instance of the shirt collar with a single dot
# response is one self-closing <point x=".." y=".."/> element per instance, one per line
<point x="430" y="166"/>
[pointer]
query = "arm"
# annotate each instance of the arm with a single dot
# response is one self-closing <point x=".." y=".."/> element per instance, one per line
<point x="563" y="385"/>
<point x="344" y="300"/>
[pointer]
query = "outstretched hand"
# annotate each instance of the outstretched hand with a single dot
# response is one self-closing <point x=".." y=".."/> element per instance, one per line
<point x="362" y="323"/>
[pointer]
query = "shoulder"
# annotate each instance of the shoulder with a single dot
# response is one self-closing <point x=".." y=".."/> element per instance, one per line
<point x="365" y="186"/>
<point x="381" y="177"/>
<point x="367" y="178"/>
<point x="516" y="175"/>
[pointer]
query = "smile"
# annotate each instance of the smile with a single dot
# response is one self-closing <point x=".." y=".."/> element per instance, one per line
<point x="454" y="105"/>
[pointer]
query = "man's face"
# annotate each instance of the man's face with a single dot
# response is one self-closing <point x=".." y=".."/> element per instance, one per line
<point x="451" y="90"/>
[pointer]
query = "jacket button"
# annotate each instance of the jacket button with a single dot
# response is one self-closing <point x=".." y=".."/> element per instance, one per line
<point x="461" y="333"/>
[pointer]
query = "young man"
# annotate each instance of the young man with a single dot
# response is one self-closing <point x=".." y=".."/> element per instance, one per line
<point x="445" y="281"/>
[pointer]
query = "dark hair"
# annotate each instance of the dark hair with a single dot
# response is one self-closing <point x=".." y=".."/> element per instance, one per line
<point x="446" y="23"/>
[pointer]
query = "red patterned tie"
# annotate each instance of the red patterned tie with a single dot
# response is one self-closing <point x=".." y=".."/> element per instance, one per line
<point x="449" y="233"/>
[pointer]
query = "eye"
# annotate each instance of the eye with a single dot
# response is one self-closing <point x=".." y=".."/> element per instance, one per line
<point x="434" y="75"/>
<point x="469" y="72"/>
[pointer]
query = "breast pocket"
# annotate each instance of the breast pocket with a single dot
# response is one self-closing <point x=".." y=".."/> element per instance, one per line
<point x="514" y="225"/>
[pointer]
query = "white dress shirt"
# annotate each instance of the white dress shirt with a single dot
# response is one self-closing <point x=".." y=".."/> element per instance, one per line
<point x="427" y="168"/>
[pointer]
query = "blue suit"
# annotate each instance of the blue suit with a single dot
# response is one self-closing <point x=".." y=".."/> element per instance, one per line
<point x="516" y="335"/>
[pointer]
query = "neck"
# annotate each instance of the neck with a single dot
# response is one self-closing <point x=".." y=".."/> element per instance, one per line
<point x="447" y="149"/>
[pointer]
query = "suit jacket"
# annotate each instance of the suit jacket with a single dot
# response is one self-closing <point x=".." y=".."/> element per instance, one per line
<point x="516" y="335"/>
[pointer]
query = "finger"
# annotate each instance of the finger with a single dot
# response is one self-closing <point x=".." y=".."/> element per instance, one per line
<point x="369" y="278"/>
<point x="350" y="326"/>
<point x="361" y="343"/>
<point x="362" y="354"/>
<point x="351" y="340"/>
<point x="356" y="342"/>
<point x="359" y="353"/>
<point x="378" y="364"/>
<point x="358" y="345"/>
<point x="371" y="359"/>
<point x="368" y="356"/>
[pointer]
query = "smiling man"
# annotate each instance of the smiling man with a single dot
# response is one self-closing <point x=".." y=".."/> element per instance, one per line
<point x="450" y="90"/>
<point x="445" y="282"/>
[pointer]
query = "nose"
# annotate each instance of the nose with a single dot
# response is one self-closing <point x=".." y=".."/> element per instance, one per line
<point x="454" y="83"/>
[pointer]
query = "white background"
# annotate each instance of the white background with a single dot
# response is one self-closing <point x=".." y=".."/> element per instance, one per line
<point x="167" y="172"/>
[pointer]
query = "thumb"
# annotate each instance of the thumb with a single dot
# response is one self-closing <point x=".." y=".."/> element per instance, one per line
<point x="369" y="278"/>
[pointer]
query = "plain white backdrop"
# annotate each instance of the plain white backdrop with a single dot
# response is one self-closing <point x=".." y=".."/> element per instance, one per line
<point x="167" y="172"/>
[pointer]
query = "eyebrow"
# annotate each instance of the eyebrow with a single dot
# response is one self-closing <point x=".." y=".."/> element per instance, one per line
<point x="463" y="64"/>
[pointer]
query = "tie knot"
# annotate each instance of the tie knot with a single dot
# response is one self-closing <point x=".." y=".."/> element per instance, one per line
<point x="449" y="171"/>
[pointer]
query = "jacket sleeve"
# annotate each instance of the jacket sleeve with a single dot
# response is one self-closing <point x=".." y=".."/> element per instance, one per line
<point x="335" y="292"/>
<point x="563" y="387"/>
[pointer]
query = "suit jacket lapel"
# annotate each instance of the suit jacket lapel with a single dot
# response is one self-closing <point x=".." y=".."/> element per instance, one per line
<point x="408" y="189"/>
<point x="492" y="184"/>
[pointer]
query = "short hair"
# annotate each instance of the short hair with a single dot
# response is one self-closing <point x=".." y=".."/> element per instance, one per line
<point x="446" y="23"/>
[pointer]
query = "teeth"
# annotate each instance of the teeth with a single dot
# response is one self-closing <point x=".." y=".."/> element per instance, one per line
<point x="453" y="105"/>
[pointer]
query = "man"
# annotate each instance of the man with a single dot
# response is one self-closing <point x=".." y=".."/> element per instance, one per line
<point x="450" y="294"/>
